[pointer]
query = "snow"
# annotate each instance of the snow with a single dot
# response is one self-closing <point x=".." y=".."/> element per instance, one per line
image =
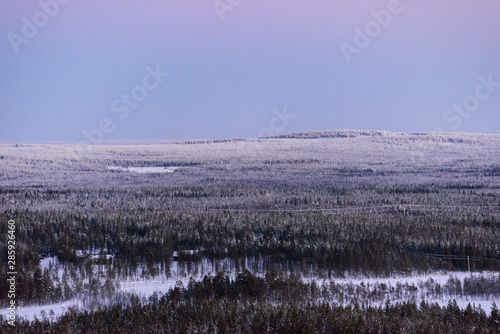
<point x="148" y="288"/>
<point x="184" y="252"/>
<point x="417" y="281"/>
<point x="440" y="277"/>
<point x="45" y="263"/>
<point x="32" y="311"/>
<point x="145" y="170"/>
<point x="145" y="285"/>
<point x="144" y="288"/>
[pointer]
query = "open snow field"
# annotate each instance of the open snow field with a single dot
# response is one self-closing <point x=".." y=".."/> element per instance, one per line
<point x="145" y="170"/>
<point x="160" y="285"/>
<point x="341" y="158"/>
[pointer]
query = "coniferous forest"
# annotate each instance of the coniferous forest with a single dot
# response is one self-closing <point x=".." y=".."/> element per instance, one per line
<point x="320" y="232"/>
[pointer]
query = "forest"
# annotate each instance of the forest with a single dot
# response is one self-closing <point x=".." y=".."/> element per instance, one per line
<point x="322" y="232"/>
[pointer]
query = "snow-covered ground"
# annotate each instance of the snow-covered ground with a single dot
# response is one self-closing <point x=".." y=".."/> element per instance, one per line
<point x="149" y="287"/>
<point x="45" y="262"/>
<point x="161" y="284"/>
<point x="42" y="311"/>
<point x="373" y="157"/>
<point x="440" y="277"/>
<point x="145" y="170"/>
<point x="416" y="287"/>
<point x="423" y="285"/>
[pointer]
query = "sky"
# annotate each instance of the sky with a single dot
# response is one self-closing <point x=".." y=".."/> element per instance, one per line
<point x="101" y="71"/>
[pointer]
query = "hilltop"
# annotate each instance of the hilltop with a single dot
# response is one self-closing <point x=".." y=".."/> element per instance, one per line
<point x="348" y="158"/>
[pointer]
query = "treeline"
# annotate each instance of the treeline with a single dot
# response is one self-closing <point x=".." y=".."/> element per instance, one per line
<point x="416" y="136"/>
<point x="309" y="243"/>
<point x="334" y="134"/>
<point x="247" y="305"/>
<point x="354" y="242"/>
<point x="453" y="199"/>
<point x="35" y="285"/>
<point x="324" y="232"/>
<point x="275" y="288"/>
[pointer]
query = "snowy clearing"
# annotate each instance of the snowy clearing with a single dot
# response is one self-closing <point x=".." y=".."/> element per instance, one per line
<point x="145" y="170"/>
<point x="161" y="284"/>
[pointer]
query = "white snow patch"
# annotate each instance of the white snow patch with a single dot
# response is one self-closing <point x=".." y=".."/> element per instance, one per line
<point x="45" y="262"/>
<point x="32" y="311"/>
<point x="162" y="283"/>
<point x="145" y="170"/>
<point x="147" y="288"/>
<point x="440" y="277"/>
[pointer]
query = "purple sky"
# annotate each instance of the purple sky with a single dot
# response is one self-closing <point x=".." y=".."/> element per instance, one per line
<point x="231" y="77"/>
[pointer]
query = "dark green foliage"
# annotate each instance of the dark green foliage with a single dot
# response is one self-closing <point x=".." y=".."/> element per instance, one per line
<point x="135" y="227"/>
<point x="244" y="305"/>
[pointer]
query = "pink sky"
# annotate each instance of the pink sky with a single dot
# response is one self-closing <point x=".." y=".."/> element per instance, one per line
<point x="263" y="55"/>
